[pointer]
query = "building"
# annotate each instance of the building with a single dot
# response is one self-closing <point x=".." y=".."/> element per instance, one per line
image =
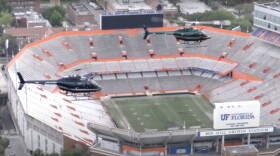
<point x="25" y="5"/>
<point x="25" y="35"/>
<point x="192" y="6"/>
<point x="267" y="22"/>
<point x="55" y="2"/>
<point x="30" y="19"/>
<point x="125" y="6"/>
<point x="248" y="150"/>
<point x="80" y="15"/>
<point x="153" y="3"/>
<point x="169" y="10"/>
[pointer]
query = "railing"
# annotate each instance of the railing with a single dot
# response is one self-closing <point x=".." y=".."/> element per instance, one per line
<point x="273" y="153"/>
<point x="95" y="150"/>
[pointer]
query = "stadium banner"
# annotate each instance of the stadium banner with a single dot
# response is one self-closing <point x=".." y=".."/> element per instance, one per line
<point x="130" y="20"/>
<point x="242" y="114"/>
<point x="236" y="131"/>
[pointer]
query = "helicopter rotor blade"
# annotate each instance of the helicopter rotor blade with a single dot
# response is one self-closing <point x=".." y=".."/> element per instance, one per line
<point x="90" y="75"/>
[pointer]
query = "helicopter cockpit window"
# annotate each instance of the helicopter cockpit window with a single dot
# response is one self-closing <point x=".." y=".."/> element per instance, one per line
<point x="94" y="84"/>
<point x="83" y="78"/>
<point x="203" y="33"/>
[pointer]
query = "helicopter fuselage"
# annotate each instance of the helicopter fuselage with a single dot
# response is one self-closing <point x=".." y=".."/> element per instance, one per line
<point x="75" y="84"/>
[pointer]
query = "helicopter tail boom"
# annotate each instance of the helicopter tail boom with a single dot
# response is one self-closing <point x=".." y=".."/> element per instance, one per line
<point x="146" y="32"/>
<point x="22" y="82"/>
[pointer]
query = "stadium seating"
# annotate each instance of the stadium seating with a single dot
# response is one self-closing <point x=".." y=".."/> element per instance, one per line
<point x="266" y="35"/>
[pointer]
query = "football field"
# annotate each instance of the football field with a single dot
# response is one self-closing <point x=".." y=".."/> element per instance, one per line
<point x="160" y="112"/>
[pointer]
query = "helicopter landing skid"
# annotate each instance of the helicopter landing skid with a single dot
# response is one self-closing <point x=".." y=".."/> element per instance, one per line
<point x="193" y="44"/>
<point x="81" y="96"/>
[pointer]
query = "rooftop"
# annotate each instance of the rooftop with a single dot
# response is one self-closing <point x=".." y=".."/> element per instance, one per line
<point x="245" y="149"/>
<point x="29" y="31"/>
<point x="80" y="8"/>
<point x="273" y="6"/>
<point x="191" y="6"/>
<point x="29" y="15"/>
<point x="136" y="6"/>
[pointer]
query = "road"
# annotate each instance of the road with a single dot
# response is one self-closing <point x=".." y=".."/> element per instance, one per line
<point x="7" y="121"/>
<point x="16" y="146"/>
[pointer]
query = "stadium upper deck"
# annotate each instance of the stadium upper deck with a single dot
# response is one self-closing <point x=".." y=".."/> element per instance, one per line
<point x="252" y="64"/>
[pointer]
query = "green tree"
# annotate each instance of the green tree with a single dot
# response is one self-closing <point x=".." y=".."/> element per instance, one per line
<point x="243" y="23"/>
<point x="239" y="8"/>
<point x="4" y="142"/>
<point x="38" y="152"/>
<point x="1" y="30"/>
<point x="249" y="17"/>
<point x="53" y="154"/>
<point x="4" y="6"/>
<point x="13" y="46"/>
<point x="2" y="150"/>
<point x="244" y="8"/>
<point x="56" y="19"/>
<point x="74" y="152"/>
<point x="55" y="15"/>
<point x="248" y="8"/>
<point x="6" y="19"/>
<point x="211" y="15"/>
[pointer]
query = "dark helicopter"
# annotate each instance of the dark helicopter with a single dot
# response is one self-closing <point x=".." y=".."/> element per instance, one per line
<point x="185" y="34"/>
<point x="73" y="84"/>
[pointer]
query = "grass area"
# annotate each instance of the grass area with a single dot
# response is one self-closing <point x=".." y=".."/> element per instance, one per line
<point x="160" y="112"/>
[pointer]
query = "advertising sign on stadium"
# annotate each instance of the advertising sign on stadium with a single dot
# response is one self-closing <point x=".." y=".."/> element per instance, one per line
<point x="241" y="114"/>
<point x="236" y="131"/>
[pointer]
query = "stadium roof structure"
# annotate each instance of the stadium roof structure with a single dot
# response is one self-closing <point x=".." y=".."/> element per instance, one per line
<point x="124" y="60"/>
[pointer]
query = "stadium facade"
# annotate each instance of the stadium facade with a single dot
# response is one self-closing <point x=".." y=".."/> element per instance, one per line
<point x="267" y="22"/>
<point x="237" y="68"/>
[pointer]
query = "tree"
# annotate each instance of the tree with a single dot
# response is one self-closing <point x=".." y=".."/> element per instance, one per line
<point x="249" y="17"/>
<point x="4" y="6"/>
<point x="4" y="142"/>
<point x="38" y="152"/>
<point x="53" y="154"/>
<point x="211" y="15"/>
<point x="74" y="152"/>
<point x="2" y="150"/>
<point x="1" y="30"/>
<point x="56" y="19"/>
<point x="243" y="23"/>
<point x="55" y="15"/>
<point x="248" y="8"/>
<point x="6" y="19"/>
<point x="239" y="8"/>
<point x="244" y="8"/>
<point x="13" y="46"/>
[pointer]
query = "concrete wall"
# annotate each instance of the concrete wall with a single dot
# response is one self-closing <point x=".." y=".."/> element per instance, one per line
<point x="34" y="133"/>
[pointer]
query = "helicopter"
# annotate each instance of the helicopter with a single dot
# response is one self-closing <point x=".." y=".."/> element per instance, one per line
<point x="186" y="34"/>
<point x="73" y="84"/>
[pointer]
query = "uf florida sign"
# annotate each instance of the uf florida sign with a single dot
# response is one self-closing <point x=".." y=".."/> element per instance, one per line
<point x="230" y="115"/>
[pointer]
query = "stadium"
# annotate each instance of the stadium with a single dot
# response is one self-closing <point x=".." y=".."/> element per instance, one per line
<point x="157" y="94"/>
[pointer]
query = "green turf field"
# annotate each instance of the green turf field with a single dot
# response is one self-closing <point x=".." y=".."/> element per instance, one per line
<point x="160" y="112"/>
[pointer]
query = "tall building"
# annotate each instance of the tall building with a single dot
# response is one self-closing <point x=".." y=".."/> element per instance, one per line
<point x="25" y="5"/>
<point x="80" y="15"/>
<point x="267" y="22"/>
